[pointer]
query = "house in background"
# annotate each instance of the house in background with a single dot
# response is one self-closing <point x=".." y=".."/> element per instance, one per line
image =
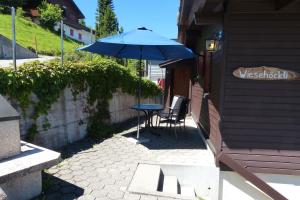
<point x="153" y="72"/>
<point x="72" y="16"/>
<point x="245" y="91"/>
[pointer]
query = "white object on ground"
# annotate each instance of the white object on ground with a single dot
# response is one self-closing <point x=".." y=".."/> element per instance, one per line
<point x="9" y="63"/>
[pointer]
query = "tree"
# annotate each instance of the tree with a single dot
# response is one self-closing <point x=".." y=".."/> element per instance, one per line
<point x="106" y="20"/>
<point x="32" y="3"/>
<point x="14" y="3"/>
<point x="121" y="29"/>
<point x="50" y="14"/>
<point x="4" y="4"/>
<point x="82" y="22"/>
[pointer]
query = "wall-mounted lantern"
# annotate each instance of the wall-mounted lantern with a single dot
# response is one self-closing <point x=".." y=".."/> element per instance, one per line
<point x="212" y="45"/>
<point x="215" y="44"/>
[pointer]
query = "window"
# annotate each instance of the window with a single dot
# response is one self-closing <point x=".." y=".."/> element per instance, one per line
<point x="71" y="32"/>
<point x="79" y="36"/>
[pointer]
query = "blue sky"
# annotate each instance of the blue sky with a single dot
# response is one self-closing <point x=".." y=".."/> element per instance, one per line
<point x="157" y="15"/>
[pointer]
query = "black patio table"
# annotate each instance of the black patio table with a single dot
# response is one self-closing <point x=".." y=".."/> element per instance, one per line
<point x="148" y="109"/>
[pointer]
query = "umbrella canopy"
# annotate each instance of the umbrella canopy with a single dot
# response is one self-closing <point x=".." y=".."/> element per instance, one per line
<point x="140" y="44"/>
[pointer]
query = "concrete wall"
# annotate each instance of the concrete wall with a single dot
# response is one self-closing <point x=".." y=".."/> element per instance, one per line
<point x="6" y="50"/>
<point x="2" y="195"/>
<point x="69" y="121"/>
<point x="235" y="187"/>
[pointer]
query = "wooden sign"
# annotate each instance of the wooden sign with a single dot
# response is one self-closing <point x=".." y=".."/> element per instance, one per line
<point x="265" y="73"/>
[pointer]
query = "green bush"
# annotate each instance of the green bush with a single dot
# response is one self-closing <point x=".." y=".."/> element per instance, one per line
<point x="101" y="78"/>
<point x="20" y="12"/>
<point x="50" y="14"/>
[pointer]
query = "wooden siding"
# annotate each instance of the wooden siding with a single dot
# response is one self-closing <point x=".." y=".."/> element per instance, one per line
<point x="199" y="105"/>
<point x="214" y="125"/>
<point x="182" y="81"/>
<point x="261" y="119"/>
<point x="205" y="111"/>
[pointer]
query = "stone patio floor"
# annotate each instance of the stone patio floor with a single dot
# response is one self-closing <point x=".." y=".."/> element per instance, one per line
<point x="103" y="170"/>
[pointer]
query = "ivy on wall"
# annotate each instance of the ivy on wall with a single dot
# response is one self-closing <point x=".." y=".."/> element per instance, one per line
<point x="100" y="79"/>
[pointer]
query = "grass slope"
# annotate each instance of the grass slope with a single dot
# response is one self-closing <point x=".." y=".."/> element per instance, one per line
<point x="48" y="43"/>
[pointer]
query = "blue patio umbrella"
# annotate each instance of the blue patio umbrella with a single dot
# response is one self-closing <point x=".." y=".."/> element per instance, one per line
<point x="142" y="44"/>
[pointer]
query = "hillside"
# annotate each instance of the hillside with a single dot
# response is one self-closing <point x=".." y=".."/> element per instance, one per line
<point x="48" y="43"/>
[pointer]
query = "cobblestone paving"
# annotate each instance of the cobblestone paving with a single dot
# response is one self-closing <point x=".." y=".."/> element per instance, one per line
<point x="103" y="170"/>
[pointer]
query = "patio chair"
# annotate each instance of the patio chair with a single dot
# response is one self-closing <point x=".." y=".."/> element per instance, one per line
<point x="178" y="117"/>
<point x="174" y="108"/>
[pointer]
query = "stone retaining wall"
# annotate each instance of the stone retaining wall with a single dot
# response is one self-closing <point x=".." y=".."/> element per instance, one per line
<point x="69" y="121"/>
<point x="6" y="50"/>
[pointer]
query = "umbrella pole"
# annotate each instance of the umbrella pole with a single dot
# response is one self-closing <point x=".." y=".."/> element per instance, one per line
<point x="139" y="94"/>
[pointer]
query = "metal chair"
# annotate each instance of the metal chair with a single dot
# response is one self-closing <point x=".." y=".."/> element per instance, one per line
<point x="173" y="109"/>
<point x="178" y="116"/>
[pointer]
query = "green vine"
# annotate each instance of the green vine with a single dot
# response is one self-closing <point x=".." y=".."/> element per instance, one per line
<point x="46" y="81"/>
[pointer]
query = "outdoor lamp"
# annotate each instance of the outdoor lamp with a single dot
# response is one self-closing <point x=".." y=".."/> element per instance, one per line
<point x="211" y="45"/>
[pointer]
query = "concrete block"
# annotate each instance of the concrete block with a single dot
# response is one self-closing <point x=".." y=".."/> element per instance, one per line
<point x="24" y="187"/>
<point x="20" y="175"/>
<point x="3" y="196"/>
<point x="7" y="112"/>
<point x="145" y="179"/>
<point x="10" y="139"/>
<point x="187" y="191"/>
<point x="170" y="185"/>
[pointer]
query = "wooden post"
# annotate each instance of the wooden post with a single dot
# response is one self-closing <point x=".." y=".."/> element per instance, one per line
<point x="36" y="46"/>
<point x="13" y="16"/>
<point x="62" y="41"/>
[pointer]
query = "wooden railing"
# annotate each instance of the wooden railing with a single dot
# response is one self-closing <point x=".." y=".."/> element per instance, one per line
<point x="242" y="170"/>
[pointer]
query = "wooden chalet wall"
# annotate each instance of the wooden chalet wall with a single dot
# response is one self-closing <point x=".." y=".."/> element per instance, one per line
<point x="177" y="79"/>
<point x="261" y="119"/>
<point x="181" y="83"/>
<point x="205" y="110"/>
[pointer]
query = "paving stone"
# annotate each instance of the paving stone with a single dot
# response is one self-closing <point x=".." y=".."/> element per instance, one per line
<point x="64" y="172"/>
<point x="103" y="170"/>
<point x="86" y="197"/>
<point x="129" y="196"/>
<point x="67" y="177"/>
<point x="84" y="183"/>
<point x="97" y="186"/>
<point x="99" y="193"/>
<point x="115" y="195"/>
<point x="148" y="197"/>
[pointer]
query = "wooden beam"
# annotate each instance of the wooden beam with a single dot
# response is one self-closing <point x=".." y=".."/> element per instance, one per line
<point x="242" y="170"/>
<point x="208" y="19"/>
<point x="214" y="6"/>
<point x="282" y="4"/>
<point x="197" y="6"/>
